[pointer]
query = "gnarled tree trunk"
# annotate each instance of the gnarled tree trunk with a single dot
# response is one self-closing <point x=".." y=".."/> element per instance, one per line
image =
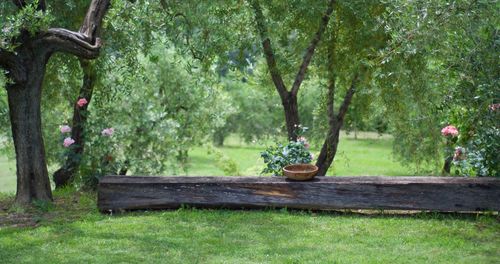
<point x="66" y="173"/>
<point x="24" y="109"/>
<point x="26" y="68"/>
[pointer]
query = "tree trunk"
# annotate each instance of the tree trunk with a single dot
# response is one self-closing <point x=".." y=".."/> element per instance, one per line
<point x="66" y="173"/>
<point x="329" y="149"/>
<point x="25" y="116"/>
<point x="328" y="152"/>
<point x="447" y="165"/>
<point x="291" y="109"/>
<point x="219" y="137"/>
<point x="26" y="68"/>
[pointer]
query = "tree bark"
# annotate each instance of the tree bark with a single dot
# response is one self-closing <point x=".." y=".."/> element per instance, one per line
<point x="291" y="110"/>
<point x="25" y="116"/>
<point x="288" y="98"/>
<point x="447" y="165"/>
<point x="66" y="173"/>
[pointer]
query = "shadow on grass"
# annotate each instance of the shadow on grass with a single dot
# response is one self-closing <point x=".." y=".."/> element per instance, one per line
<point x="347" y="213"/>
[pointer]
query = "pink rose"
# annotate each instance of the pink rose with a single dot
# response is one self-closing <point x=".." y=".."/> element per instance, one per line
<point x="81" y="102"/>
<point x="108" y="132"/>
<point x="68" y="142"/>
<point x="65" y="129"/>
<point x="449" y="131"/>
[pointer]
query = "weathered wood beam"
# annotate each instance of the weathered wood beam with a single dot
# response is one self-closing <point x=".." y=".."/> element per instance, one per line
<point x="406" y="193"/>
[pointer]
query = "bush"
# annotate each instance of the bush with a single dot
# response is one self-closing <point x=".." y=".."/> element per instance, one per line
<point x="277" y="157"/>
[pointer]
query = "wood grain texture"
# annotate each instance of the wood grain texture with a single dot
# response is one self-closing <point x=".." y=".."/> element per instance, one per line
<point x="406" y="193"/>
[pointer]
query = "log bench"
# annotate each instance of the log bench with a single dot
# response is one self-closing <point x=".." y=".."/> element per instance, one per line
<point x="444" y="194"/>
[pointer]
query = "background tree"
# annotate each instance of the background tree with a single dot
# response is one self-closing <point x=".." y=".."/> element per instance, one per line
<point x="288" y="98"/>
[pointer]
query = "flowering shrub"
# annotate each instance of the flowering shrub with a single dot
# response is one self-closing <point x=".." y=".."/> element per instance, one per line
<point x="478" y="153"/>
<point x="480" y="158"/>
<point x="277" y="157"/>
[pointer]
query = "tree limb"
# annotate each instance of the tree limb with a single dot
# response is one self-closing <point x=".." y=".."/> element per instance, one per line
<point x="41" y="5"/>
<point x="92" y="23"/>
<point x="10" y="62"/>
<point x="63" y="40"/>
<point x="347" y="100"/>
<point x="311" y="48"/>
<point x="268" y="50"/>
<point x="84" y="43"/>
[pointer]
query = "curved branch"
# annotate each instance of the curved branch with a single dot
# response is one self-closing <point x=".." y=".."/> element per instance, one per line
<point x="60" y="39"/>
<point x="85" y="43"/>
<point x="93" y="19"/>
<point x="311" y="48"/>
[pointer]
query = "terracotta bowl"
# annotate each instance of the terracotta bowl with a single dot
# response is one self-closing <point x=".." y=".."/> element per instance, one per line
<point x="300" y="172"/>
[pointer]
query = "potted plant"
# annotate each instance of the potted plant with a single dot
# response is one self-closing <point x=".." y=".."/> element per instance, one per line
<point x="291" y="160"/>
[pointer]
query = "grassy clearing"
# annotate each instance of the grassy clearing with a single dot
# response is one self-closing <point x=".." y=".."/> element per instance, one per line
<point x="74" y="232"/>
<point x="368" y="155"/>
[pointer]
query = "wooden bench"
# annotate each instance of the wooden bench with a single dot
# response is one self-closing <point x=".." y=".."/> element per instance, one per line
<point x="116" y="193"/>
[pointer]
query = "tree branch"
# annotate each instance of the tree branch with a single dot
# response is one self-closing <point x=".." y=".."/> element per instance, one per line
<point x="41" y="5"/>
<point x="311" y="48"/>
<point x="268" y="50"/>
<point x="91" y="25"/>
<point x="84" y="43"/>
<point x="63" y="40"/>
<point x="347" y="100"/>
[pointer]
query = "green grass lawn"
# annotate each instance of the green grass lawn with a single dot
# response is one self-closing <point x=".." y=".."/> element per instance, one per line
<point x="74" y="232"/>
<point x="366" y="156"/>
<point x="7" y="175"/>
